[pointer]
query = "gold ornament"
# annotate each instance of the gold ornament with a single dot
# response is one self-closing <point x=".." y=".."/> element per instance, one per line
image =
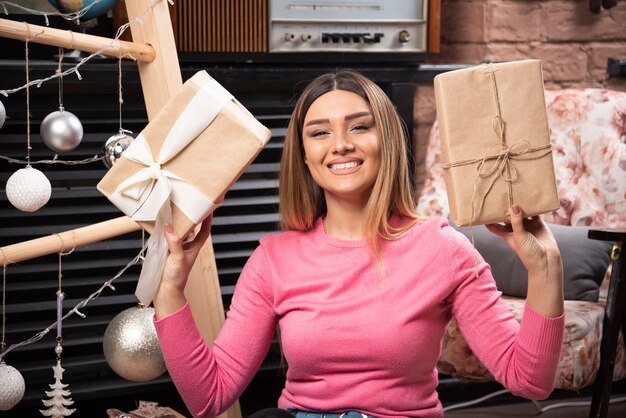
<point x="131" y="346"/>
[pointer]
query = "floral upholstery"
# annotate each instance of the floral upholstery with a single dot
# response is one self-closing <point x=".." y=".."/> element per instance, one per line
<point x="588" y="134"/>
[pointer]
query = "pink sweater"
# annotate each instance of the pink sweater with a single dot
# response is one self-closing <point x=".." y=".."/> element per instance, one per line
<point x="355" y="340"/>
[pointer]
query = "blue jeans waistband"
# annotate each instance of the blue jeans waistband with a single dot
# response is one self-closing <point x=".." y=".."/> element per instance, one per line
<point x="309" y="414"/>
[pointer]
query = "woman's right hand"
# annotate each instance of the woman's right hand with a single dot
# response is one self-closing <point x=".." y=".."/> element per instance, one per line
<point x="170" y="296"/>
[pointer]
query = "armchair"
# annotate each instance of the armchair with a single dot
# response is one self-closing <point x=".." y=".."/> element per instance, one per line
<point x="588" y="132"/>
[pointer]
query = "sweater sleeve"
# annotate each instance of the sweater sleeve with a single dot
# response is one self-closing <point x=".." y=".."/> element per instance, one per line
<point x="522" y="357"/>
<point x="211" y="378"/>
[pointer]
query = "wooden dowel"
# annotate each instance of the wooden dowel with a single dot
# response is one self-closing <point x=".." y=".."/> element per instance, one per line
<point x="65" y="241"/>
<point x="75" y="40"/>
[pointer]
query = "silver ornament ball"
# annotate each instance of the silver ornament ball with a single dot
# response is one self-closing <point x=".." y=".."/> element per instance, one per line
<point x="3" y="115"/>
<point x="12" y="387"/>
<point x="61" y="131"/>
<point x="114" y="147"/>
<point x="131" y="346"/>
<point x="28" y="189"/>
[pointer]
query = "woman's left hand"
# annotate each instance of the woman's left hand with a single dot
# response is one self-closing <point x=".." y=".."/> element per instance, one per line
<point x="530" y="238"/>
<point x="536" y="247"/>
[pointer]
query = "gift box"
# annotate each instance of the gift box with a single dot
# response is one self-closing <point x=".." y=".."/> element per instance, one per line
<point x="180" y="166"/>
<point x="495" y="141"/>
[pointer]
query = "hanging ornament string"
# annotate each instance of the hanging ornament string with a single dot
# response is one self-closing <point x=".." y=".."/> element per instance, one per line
<point x="59" y="71"/>
<point x="28" y="147"/>
<point x="120" y="96"/>
<point x="60" y="296"/>
<point x="120" y="99"/>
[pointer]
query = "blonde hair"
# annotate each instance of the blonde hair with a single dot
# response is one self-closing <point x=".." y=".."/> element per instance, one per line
<point x="302" y="201"/>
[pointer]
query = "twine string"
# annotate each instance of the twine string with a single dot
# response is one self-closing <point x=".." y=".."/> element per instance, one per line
<point x="28" y="147"/>
<point x="119" y="88"/>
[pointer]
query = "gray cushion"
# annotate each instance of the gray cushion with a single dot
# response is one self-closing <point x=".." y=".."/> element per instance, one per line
<point x="585" y="261"/>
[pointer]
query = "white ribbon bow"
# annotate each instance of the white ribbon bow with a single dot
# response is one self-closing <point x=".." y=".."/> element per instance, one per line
<point x="146" y="195"/>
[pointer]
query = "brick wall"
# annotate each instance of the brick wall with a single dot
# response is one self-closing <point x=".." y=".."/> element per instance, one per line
<point x="572" y="42"/>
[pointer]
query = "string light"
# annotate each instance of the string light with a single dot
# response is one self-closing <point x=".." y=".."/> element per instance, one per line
<point x="120" y="31"/>
<point x="67" y="16"/>
<point x="74" y="69"/>
<point x="38" y="336"/>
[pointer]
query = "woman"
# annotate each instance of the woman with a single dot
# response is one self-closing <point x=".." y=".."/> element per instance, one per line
<point x="360" y="286"/>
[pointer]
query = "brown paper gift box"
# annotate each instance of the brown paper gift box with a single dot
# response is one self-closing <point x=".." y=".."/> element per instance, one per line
<point x="211" y="163"/>
<point x="474" y="105"/>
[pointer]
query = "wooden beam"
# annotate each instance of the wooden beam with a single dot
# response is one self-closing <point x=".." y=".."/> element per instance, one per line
<point x="65" y="241"/>
<point x="160" y="80"/>
<point x="75" y="40"/>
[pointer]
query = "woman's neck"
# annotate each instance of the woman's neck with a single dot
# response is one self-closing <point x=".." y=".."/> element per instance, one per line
<point x="344" y="219"/>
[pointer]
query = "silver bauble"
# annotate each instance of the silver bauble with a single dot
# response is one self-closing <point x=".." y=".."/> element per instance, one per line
<point x="28" y="189"/>
<point x="3" y="115"/>
<point x="61" y="131"/>
<point x="114" y="147"/>
<point x="131" y="346"/>
<point x="12" y="387"/>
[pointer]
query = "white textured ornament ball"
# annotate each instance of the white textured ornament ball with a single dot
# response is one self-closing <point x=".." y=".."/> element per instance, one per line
<point x="131" y="346"/>
<point x="3" y="115"/>
<point x="114" y="147"/>
<point x="12" y="387"/>
<point x="61" y="131"/>
<point x="28" y="189"/>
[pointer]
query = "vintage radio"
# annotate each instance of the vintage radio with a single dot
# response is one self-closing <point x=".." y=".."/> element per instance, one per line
<point x="287" y="26"/>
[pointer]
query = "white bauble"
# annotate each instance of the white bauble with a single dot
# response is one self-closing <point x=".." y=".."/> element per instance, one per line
<point x="3" y="114"/>
<point x="28" y="189"/>
<point x="131" y="346"/>
<point x="61" y="131"/>
<point x="12" y="387"/>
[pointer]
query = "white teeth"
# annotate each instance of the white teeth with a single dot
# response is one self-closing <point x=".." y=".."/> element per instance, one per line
<point x="344" y="166"/>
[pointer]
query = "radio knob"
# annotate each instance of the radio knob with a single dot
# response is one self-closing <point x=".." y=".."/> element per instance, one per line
<point x="305" y="37"/>
<point x="289" y="37"/>
<point x="404" y="36"/>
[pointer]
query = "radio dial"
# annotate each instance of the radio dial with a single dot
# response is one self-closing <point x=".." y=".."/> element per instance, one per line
<point x="289" y="37"/>
<point x="404" y="36"/>
<point x="305" y="37"/>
